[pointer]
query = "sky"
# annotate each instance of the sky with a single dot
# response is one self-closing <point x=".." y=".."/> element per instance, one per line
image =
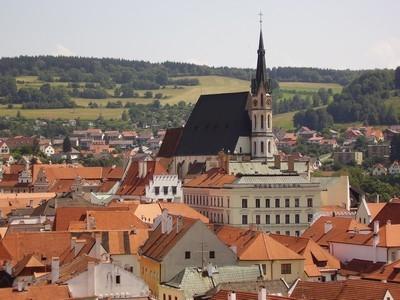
<point x="340" y="34"/>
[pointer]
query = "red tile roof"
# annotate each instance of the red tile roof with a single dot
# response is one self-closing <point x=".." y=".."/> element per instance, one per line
<point x="46" y="292"/>
<point x="133" y="184"/>
<point x="223" y="295"/>
<point x="355" y="289"/>
<point x="391" y="211"/>
<point x="64" y="215"/>
<point x="390" y="273"/>
<point x="254" y="245"/>
<point x="339" y="225"/>
<point x="213" y="178"/>
<point x="159" y="244"/>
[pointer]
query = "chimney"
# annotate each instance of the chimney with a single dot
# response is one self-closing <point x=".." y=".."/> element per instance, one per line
<point x="90" y="222"/>
<point x="73" y="242"/>
<point x="262" y="293"/>
<point x="277" y="161"/>
<point x="91" y="279"/>
<point x="291" y="163"/>
<point x="8" y="267"/>
<point x="179" y="223"/>
<point x="97" y="246"/>
<point x="232" y="295"/>
<point x="20" y="286"/>
<point x="375" y="240"/>
<point x="142" y="168"/>
<point x="327" y="226"/>
<point x="55" y="269"/>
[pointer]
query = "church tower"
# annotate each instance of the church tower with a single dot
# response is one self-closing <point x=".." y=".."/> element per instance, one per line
<point x="262" y="139"/>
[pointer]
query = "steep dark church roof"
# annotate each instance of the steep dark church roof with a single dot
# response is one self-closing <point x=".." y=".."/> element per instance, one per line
<point x="215" y="124"/>
<point x="261" y="71"/>
<point x="170" y="142"/>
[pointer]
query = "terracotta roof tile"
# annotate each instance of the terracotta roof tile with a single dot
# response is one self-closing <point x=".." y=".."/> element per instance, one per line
<point x="47" y="244"/>
<point x="345" y="290"/>
<point x="223" y="295"/>
<point x="254" y="245"/>
<point x="390" y="211"/>
<point x="359" y="267"/>
<point x="47" y="292"/>
<point x="311" y="251"/>
<point x="159" y="244"/>
<point x="213" y="178"/>
<point x="339" y="225"/>
<point x="390" y="273"/>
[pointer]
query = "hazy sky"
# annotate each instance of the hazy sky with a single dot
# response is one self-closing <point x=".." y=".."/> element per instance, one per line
<point x="313" y="33"/>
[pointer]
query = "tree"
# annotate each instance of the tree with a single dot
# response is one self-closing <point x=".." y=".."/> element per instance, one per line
<point x="124" y="116"/>
<point x="67" y="147"/>
<point x="397" y="78"/>
<point x="395" y="148"/>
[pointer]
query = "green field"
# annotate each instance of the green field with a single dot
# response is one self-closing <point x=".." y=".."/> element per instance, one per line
<point x="208" y="85"/>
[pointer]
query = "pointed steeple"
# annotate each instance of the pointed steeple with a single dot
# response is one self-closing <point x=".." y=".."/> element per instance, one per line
<point x="261" y="71"/>
<point x="261" y="66"/>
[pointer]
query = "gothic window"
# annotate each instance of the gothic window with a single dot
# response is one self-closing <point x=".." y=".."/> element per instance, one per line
<point x="255" y="121"/>
<point x="262" y="121"/>
<point x="269" y="146"/>
<point x="262" y="100"/>
<point x="262" y="147"/>
<point x="255" y="148"/>
<point x="269" y="121"/>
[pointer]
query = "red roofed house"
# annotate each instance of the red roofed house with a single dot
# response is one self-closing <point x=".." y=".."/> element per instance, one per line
<point x="149" y="181"/>
<point x="176" y="243"/>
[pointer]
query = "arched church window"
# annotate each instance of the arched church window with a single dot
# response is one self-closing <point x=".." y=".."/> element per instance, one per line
<point x="255" y="147"/>
<point x="262" y="121"/>
<point x="255" y="121"/>
<point x="269" y="146"/>
<point x="262" y="147"/>
<point x="262" y="100"/>
<point x="269" y="121"/>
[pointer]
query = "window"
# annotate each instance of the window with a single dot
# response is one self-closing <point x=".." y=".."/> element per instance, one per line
<point x="267" y="219"/>
<point x="297" y="218"/>
<point x="287" y="202"/>
<point x="309" y="218"/>
<point x="287" y="232"/>
<point x="258" y="219"/>
<point x="277" y="232"/>
<point x="187" y="254"/>
<point x="277" y="219"/>
<point x="157" y="190"/>
<point x="164" y="297"/>
<point x="297" y="233"/>
<point x="309" y="202"/>
<point x="165" y="188"/>
<point x="262" y="147"/>
<point x="255" y="148"/>
<point x="297" y="202"/>
<point x="244" y="203"/>
<point x="257" y="203"/>
<point x="244" y="219"/>
<point x="262" y="121"/>
<point x="269" y="121"/>
<point x="277" y="203"/>
<point x="269" y="146"/>
<point x="264" y="268"/>
<point x="211" y="254"/>
<point x="287" y="219"/>
<point x="174" y="190"/>
<point x="118" y="279"/>
<point x="286" y="269"/>
<point x="255" y="121"/>
<point x="169" y="297"/>
<point x="267" y="203"/>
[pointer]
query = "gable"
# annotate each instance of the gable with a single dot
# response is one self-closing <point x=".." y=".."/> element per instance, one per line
<point x="215" y="124"/>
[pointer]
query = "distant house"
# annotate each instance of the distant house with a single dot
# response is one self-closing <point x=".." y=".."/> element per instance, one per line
<point x="288" y="140"/>
<point x="305" y="133"/>
<point x="347" y="157"/>
<point x="379" y="170"/>
<point x="366" y="212"/>
<point x="394" y="168"/>
<point x="378" y="150"/>
<point x="4" y="150"/>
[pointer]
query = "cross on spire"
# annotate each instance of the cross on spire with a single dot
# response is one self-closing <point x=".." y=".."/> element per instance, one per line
<point x="261" y="15"/>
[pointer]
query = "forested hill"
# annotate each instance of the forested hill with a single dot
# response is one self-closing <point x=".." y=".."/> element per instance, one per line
<point x="146" y="75"/>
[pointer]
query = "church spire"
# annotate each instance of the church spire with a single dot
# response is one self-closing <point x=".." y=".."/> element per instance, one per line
<point x="261" y="71"/>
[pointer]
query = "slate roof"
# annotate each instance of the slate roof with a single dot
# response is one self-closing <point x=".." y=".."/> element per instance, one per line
<point x="215" y="124"/>
<point x="194" y="282"/>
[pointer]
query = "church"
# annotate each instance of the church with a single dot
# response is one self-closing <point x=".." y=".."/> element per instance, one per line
<point x="233" y="126"/>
